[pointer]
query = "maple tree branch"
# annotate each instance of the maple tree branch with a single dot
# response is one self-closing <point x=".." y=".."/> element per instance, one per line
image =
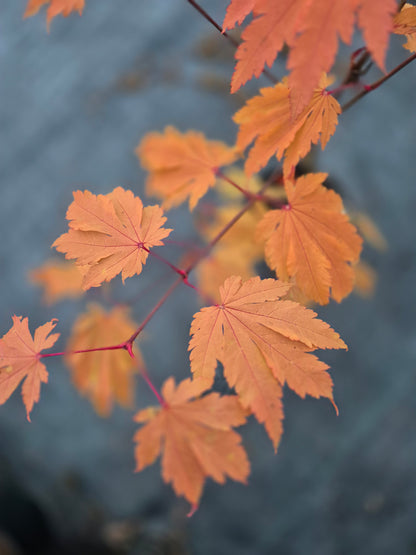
<point x="92" y="350"/>
<point x="149" y="382"/>
<point x="182" y="273"/>
<point x="204" y="14"/>
<point x="158" y="305"/>
<point x="376" y="84"/>
<point x="223" y="231"/>
<point x="128" y="344"/>
<point x="231" y="39"/>
<point x="270" y="201"/>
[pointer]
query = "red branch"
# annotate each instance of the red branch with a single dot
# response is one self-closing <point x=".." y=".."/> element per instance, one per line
<point x="376" y="84"/>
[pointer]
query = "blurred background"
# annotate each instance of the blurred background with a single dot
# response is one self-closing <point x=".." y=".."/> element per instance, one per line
<point x="74" y="103"/>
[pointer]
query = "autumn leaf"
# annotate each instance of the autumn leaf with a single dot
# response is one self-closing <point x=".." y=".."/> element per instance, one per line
<point x="194" y="437"/>
<point x="236" y="13"/>
<point x="60" y="280"/>
<point x="405" y="24"/>
<point x="110" y="234"/>
<point x="181" y="165"/>
<point x="56" y="7"/>
<point x="103" y="376"/>
<point x="311" y="30"/>
<point x="262" y="343"/>
<point x="20" y="358"/>
<point x="312" y="240"/>
<point x="267" y="120"/>
<point x="365" y="279"/>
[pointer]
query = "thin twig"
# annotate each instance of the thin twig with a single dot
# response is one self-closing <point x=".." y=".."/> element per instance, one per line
<point x="231" y="39"/>
<point x="376" y="84"/>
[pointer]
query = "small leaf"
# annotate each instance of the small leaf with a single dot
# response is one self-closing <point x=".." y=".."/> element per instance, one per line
<point x="312" y="240"/>
<point x="19" y="359"/>
<point x="56" y="7"/>
<point x="182" y="165"/>
<point x="110" y="234"/>
<point x="103" y="376"/>
<point x="267" y="120"/>
<point x="194" y="437"/>
<point x="60" y="280"/>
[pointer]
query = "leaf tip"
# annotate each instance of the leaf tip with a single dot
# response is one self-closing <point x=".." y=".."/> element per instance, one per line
<point x="193" y="509"/>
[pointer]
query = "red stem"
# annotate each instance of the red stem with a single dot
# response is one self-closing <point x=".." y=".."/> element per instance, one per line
<point x="270" y="201"/>
<point x="92" y="350"/>
<point x="376" y="84"/>
<point x="164" y="261"/>
<point x="182" y="273"/>
<point x="149" y="382"/>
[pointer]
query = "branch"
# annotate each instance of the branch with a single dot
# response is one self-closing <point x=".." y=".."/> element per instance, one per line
<point x="231" y="39"/>
<point x="376" y="84"/>
<point x="270" y="201"/>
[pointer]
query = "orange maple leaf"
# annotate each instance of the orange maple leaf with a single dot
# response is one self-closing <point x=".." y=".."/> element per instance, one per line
<point x="195" y="438"/>
<point x="312" y="240"/>
<point x="103" y="376"/>
<point x="60" y="279"/>
<point x="267" y="120"/>
<point x="182" y="165"/>
<point x="110" y="234"/>
<point x="20" y="358"/>
<point x="311" y="31"/>
<point x="56" y="7"/>
<point x="262" y="342"/>
<point x="405" y="24"/>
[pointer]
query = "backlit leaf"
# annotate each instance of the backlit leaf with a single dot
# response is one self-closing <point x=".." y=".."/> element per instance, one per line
<point x="194" y="437"/>
<point x="20" y="359"/>
<point x="110" y="234"/>
<point x="182" y="165"/>
<point x="262" y="343"/>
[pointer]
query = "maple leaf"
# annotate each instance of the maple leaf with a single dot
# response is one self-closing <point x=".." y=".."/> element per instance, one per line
<point x="110" y="234"/>
<point x="60" y="279"/>
<point x="103" y="376"/>
<point x="312" y="240"/>
<point x="182" y="165"/>
<point x="56" y="7"/>
<point x="405" y="24"/>
<point x="311" y="30"/>
<point x="262" y="343"/>
<point x="267" y="120"/>
<point x="20" y="357"/>
<point x="236" y="13"/>
<point x="195" y="438"/>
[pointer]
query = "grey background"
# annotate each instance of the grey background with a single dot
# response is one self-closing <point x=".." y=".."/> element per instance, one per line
<point x="73" y="105"/>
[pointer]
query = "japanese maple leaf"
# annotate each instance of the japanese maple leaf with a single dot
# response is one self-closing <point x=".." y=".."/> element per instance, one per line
<point x="103" y="376"/>
<point x="56" y="7"/>
<point x="311" y="30"/>
<point x="194" y="437"/>
<point x="267" y="120"/>
<point x="60" y="280"/>
<point x="262" y="343"/>
<point x="405" y="24"/>
<point x="110" y="234"/>
<point x="182" y="165"/>
<point x="20" y="358"/>
<point x="312" y="240"/>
